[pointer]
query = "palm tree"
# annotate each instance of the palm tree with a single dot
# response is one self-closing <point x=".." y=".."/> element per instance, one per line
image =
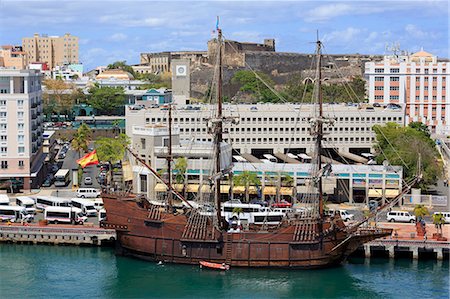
<point x="246" y="179"/>
<point x="81" y="139"/>
<point x="180" y="168"/>
<point x="238" y="211"/>
<point x="438" y="221"/>
<point x="420" y="211"/>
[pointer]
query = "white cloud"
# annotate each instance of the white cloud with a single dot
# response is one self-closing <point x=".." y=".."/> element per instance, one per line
<point x="247" y="36"/>
<point x="117" y="37"/>
<point x="328" y="11"/>
<point x="416" y="32"/>
<point x="347" y="35"/>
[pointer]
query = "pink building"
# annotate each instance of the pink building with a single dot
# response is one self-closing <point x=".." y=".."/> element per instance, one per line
<point x="417" y="82"/>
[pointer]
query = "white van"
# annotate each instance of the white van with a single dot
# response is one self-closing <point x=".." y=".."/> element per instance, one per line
<point x="98" y="204"/>
<point x="446" y="216"/>
<point x="43" y="202"/>
<point x="4" y="200"/>
<point x="14" y="214"/>
<point x="400" y="216"/>
<point x="346" y="216"/>
<point x="27" y="203"/>
<point x="64" y="214"/>
<point x="85" y="205"/>
<point x="88" y="193"/>
<point x="101" y="215"/>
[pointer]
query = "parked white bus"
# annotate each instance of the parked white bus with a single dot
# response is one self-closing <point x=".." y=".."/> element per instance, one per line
<point x="4" y="200"/>
<point x="14" y="214"/>
<point x="62" y="178"/>
<point x="27" y="203"/>
<point x="51" y="201"/>
<point x="85" y="205"/>
<point x="65" y="215"/>
<point x="246" y="210"/>
<point x="270" y="157"/>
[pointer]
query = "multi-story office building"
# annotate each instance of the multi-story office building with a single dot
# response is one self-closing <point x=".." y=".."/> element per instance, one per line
<point x="12" y="57"/>
<point x="274" y="128"/>
<point x="418" y="82"/>
<point x="21" y="156"/>
<point x="54" y="50"/>
<point x="353" y="183"/>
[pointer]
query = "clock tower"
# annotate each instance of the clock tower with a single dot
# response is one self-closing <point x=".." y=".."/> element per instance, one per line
<point x="181" y="81"/>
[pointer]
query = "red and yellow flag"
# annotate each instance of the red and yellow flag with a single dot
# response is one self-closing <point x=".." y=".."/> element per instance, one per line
<point x="89" y="159"/>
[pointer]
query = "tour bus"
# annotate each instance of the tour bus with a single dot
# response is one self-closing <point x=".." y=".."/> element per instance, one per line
<point x="4" y="200"/>
<point x="101" y="215"/>
<point x="62" y="178"/>
<point x="64" y="214"/>
<point x="268" y="217"/>
<point x="88" y="193"/>
<point x="245" y="214"/>
<point x="14" y="214"/>
<point x="27" y="203"/>
<point x="50" y="201"/>
<point x="85" y="205"/>
<point x="304" y="158"/>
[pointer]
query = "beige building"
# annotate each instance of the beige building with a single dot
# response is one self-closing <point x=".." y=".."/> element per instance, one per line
<point x="12" y="57"/>
<point x="21" y="138"/>
<point x="54" y="50"/>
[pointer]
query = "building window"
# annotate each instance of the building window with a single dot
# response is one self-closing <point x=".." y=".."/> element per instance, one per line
<point x="143" y="143"/>
<point x="425" y="79"/>
<point x="434" y="79"/>
<point x="378" y="97"/>
<point x="21" y="164"/>
<point x="4" y="164"/>
<point x="3" y="103"/>
<point x="425" y="88"/>
<point x="21" y="149"/>
<point x="2" y="114"/>
<point x="3" y="138"/>
<point x="20" y="114"/>
<point x="2" y="126"/>
<point x="143" y="181"/>
<point x="426" y="71"/>
<point x="395" y="70"/>
<point x="20" y="138"/>
<point x="379" y="79"/>
<point x="379" y="70"/>
<point x="393" y="97"/>
<point x="20" y="103"/>
<point x="417" y="98"/>
<point x="20" y="126"/>
<point x="379" y="87"/>
<point x="395" y="79"/>
<point x="3" y="149"/>
<point x="394" y="88"/>
<point x="417" y="79"/>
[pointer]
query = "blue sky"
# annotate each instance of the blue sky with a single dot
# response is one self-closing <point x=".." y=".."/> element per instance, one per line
<point x="120" y="30"/>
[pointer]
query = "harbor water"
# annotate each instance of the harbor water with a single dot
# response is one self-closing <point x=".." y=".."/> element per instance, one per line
<point x="38" y="271"/>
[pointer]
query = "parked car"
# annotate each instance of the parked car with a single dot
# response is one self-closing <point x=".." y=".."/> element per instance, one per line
<point x="259" y="202"/>
<point x="47" y="182"/>
<point x="343" y="213"/>
<point x="88" y="180"/>
<point x="61" y="155"/>
<point x="400" y="216"/>
<point x="117" y="165"/>
<point x="54" y="168"/>
<point x="281" y="204"/>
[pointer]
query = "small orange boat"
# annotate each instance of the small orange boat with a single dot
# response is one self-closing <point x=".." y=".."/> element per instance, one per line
<point x="215" y="266"/>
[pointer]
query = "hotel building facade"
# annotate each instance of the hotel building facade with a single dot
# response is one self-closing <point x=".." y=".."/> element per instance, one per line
<point x="21" y="133"/>
<point x="418" y="83"/>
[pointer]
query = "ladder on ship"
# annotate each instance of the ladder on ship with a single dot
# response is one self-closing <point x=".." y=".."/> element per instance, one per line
<point x="305" y="230"/>
<point x="154" y="212"/>
<point x="197" y="228"/>
<point x="229" y="246"/>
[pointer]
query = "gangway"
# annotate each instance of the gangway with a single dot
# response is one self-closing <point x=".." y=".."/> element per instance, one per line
<point x="250" y="158"/>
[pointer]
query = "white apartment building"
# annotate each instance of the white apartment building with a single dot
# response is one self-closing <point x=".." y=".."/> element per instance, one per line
<point x="273" y="128"/>
<point x="21" y="157"/>
<point x="418" y="82"/>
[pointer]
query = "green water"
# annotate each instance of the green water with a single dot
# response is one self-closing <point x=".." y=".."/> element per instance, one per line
<point x="37" y="271"/>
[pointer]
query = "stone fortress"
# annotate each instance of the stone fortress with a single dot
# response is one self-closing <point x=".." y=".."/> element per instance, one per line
<point x="281" y="66"/>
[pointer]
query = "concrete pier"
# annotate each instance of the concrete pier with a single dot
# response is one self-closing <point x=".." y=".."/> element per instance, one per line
<point x="56" y="235"/>
<point x="415" y="249"/>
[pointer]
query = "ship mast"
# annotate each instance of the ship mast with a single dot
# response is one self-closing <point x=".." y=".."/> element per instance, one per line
<point x="319" y="131"/>
<point x="218" y="132"/>
<point x="169" y="161"/>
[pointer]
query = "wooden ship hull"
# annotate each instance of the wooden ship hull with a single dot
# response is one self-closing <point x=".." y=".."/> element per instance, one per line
<point x="145" y="231"/>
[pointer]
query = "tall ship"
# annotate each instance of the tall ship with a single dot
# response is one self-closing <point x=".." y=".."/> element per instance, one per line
<point x="307" y="237"/>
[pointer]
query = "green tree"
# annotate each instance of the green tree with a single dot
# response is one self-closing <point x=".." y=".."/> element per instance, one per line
<point x="112" y="149"/>
<point x="246" y="179"/>
<point x="438" y="221"/>
<point x="121" y="65"/>
<point x="421" y="127"/>
<point x="58" y="96"/>
<point x="81" y="139"/>
<point x="106" y="100"/>
<point x="180" y="169"/>
<point x="404" y="146"/>
<point x="251" y="83"/>
<point x="420" y="211"/>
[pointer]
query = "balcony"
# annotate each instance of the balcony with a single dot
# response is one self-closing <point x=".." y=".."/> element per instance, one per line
<point x="34" y="116"/>
<point x="34" y="105"/>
